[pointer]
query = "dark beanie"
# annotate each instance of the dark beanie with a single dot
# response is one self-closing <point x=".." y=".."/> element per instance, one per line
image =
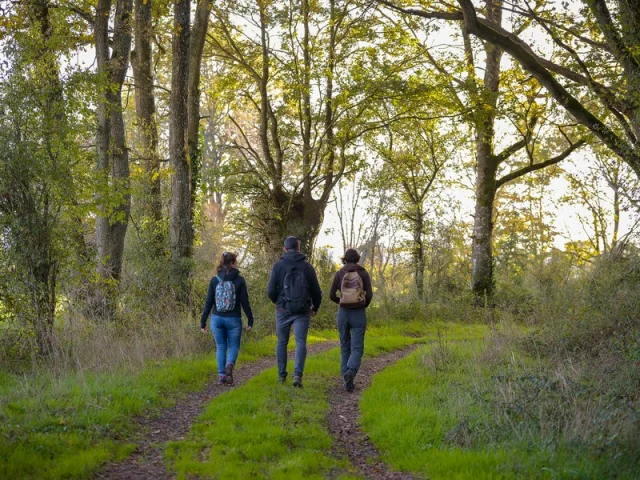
<point x="291" y="243"/>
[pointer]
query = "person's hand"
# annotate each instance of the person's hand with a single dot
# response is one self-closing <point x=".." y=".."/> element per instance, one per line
<point x="249" y="328"/>
<point x="203" y="330"/>
<point x="313" y="313"/>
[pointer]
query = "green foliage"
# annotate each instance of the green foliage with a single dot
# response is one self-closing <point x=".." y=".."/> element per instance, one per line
<point x="44" y="175"/>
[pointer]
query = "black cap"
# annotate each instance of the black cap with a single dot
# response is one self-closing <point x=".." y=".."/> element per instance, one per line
<point x="291" y="243"/>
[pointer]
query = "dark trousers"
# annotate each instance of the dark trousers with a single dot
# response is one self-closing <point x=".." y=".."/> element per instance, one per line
<point x="300" y="324"/>
<point x="352" y="323"/>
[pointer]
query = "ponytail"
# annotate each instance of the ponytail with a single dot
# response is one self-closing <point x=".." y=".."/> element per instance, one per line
<point x="226" y="260"/>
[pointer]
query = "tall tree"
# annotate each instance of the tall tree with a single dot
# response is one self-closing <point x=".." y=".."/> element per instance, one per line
<point x="114" y="201"/>
<point x="41" y="164"/>
<point x="310" y="78"/>
<point x="184" y="130"/>
<point x="414" y="155"/>
<point x="603" y="55"/>
<point x="607" y="189"/>
<point x="147" y="128"/>
<point x="484" y="96"/>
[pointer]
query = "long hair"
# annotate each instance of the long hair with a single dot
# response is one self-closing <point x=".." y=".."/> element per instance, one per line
<point x="226" y="259"/>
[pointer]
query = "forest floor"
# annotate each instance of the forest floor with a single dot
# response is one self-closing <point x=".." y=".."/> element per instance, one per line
<point x="429" y="403"/>
<point x="343" y="422"/>
<point x="357" y="455"/>
<point x="173" y="423"/>
<point x="172" y="420"/>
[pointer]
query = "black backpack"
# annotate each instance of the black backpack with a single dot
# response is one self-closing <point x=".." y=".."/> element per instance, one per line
<point x="296" y="291"/>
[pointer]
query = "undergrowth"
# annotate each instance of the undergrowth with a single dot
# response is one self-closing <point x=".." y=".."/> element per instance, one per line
<point x="485" y="409"/>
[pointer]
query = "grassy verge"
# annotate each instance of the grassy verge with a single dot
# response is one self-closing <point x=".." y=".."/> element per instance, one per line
<point x="66" y="426"/>
<point x="475" y="410"/>
<point x="269" y="430"/>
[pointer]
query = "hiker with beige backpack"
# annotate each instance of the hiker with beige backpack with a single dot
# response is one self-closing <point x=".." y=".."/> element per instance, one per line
<point x="354" y="284"/>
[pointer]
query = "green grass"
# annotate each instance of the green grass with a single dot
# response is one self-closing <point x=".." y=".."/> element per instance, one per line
<point x="269" y="430"/>
<point x="66" y="426"/>
<point x="440" y="413"/>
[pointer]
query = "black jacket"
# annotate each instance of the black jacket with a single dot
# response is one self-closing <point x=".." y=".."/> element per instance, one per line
<point x="337" y="282"/>
<point x="242" y="298"/>
<point x="280" y="269"/>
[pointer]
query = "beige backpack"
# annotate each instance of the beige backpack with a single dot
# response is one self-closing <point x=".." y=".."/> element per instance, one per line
<point x="352" y="290"/>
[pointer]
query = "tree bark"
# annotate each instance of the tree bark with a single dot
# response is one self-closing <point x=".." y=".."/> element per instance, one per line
<point x="180" y="226"/>
<point x="196" y="48"/>
<point x="184" y="137"/>
<point x="311" y="215"/>
<point x="113" y="156"/>
<point x="418" y="252"/>
<point x="147" y="128"/>
<point x="486" y="168"/>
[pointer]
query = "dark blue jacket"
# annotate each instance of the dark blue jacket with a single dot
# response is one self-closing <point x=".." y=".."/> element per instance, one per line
<point x="242" y="298"/>
<point x="280" y="269"/>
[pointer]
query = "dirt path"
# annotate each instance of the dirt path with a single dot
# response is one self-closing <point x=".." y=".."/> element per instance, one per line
<point x="173" y="423"/>
<point x="343" y="422"/>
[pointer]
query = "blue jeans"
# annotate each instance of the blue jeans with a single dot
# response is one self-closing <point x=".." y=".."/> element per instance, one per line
<point x="352" y="323"/>
<point x="226" y="332"/>
<point x="300" y="324"/>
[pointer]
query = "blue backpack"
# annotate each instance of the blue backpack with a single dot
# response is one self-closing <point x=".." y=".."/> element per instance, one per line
<point x="225" y="295"/>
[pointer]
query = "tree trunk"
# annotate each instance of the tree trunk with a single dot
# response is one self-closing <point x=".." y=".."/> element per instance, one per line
<point x="298" y="218"/>
<point x="486" y="170"/>
<point x="147" y="129"/>
<point x="180" y="226"/>
<point x="310" y="213"/>
<point x="418" y="253"/>
<point x="184" y="137"/>
<point x="196" y="48"/>
<point x="113" y="156"/>
<point x="482" y="255"/>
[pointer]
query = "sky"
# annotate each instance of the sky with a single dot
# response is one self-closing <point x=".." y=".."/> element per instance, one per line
<point x="566" y="221"/>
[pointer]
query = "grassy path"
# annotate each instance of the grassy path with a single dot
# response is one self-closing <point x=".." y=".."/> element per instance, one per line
<point x="174" y="423"/>
<point x="343" y="423"/>
<point x="67" y="426"/>
<point x="270" y="430"/>
<point x="147" y="425"/>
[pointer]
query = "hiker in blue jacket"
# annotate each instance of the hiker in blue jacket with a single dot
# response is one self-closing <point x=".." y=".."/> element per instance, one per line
<point x="294" y="288"/>
<point x="227" y="292"/>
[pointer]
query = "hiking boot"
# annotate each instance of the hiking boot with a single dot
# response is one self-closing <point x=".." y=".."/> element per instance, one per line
<point x="228" y="371"/>
<point x="282" y="379"/>
<point x="297" y="381"/>
<point x="348" y="381"/>
<point x="222" y="379"/>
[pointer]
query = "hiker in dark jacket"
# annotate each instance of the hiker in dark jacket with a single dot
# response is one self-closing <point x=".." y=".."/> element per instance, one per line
<point x="354" y="284"/>
<point x="294" y="288"/>
<point x="227" y="292"/>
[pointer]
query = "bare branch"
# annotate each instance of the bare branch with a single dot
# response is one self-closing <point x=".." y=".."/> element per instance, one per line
<point x="538" y="166"/>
